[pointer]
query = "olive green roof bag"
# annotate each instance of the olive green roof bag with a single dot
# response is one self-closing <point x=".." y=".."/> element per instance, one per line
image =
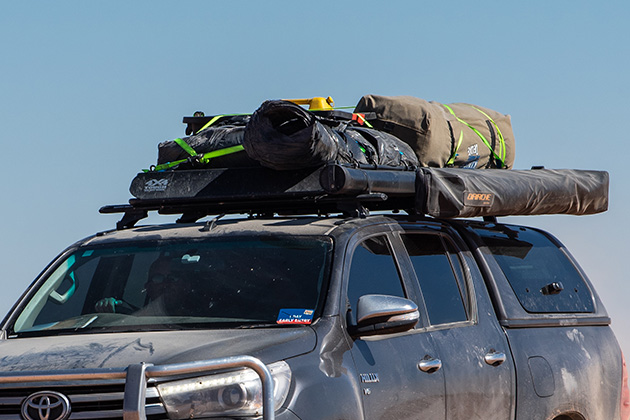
<point x="454" y="135"/>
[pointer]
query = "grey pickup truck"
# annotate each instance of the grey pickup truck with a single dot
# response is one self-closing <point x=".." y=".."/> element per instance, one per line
<point x="324" y="314"/>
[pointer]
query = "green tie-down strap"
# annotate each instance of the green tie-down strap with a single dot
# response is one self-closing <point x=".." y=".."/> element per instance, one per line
<point x="500" y="134"/>
<point x="459" y="143"/>
<point x="221" y="152"/>
<point x="500" y="158"/>
<point x="181" y="143"/>
<point x="205" y="158"/>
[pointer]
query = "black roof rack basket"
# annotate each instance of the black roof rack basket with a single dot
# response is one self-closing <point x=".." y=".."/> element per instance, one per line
<point x="356" y="189"/>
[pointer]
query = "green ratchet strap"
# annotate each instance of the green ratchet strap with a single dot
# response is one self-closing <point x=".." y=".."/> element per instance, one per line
<point x="459" y="143"/>
<point x="205" y="158"/>
<point x="181" y="143"/>
<point x="221" y="152"/>
<point x="501" y="139"/>
<point x="217" y="118"/>
<point x="483" y="139"/>
<point x="213" y="120"/>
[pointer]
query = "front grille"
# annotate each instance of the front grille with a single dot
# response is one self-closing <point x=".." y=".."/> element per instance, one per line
<point x="93" y="401"/>
<point x="102" y="393"/>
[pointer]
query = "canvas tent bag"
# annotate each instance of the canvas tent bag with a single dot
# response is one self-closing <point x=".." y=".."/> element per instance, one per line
<point x="457" y="135"/>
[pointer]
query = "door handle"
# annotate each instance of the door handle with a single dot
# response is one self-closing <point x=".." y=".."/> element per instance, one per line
<point x="429" y="364"/>
<point x="494" y="358"/>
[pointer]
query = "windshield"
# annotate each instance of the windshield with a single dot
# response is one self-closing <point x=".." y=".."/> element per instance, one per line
<point x="240" y="281"/>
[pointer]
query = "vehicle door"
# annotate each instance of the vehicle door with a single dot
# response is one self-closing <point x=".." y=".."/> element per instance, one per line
<point x="476" y="361"/>
<point x="396" y="373"/>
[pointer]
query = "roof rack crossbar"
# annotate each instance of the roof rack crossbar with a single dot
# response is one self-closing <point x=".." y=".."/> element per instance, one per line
<point x="191" y="211"/>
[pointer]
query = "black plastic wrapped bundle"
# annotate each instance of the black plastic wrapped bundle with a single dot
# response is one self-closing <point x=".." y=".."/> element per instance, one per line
<point x="225" y="133"/>
<point x="284" y="136"/>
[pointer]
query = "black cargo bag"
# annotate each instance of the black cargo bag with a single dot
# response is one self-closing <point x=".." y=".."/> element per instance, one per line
<point x="453" y="192"/>
<point x="455" y="135"/>
<point x="224" y="134"/>
<point x="284" y="136"/>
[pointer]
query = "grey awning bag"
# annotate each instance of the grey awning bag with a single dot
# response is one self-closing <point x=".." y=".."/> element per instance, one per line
<point x="451" y="192"/>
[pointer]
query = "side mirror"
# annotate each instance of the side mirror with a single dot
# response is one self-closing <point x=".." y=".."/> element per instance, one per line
<point x="383" y="314"/>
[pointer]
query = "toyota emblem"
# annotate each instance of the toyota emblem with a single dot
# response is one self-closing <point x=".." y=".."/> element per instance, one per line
<point x="46" y="405"/>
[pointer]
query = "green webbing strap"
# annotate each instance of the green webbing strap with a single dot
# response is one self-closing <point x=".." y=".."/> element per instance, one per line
<point x="217" y="118"/>
<point x="459" y="143"/>
<point x="205" y="158"/>
<point x="483" y="139"/>
<point x="501" y="139"/>
<point x="212" y="121"/>
<point x="221" y="152"/>
<point x="181" y="143"/>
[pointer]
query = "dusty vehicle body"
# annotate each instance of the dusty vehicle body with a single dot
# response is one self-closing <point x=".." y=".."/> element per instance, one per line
<point x="310" y="307"/>
<point x="452" y="323"/>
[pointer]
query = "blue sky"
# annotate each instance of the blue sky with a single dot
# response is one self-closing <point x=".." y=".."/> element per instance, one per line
<point x="89" y="89"/>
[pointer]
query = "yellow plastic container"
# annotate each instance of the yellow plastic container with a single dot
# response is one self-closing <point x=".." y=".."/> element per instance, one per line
<point x="316" y="103"/>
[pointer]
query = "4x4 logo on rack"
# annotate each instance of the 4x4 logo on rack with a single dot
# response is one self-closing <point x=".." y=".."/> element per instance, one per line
<point x="156" y="185"/>
<point x="46" y="405"/>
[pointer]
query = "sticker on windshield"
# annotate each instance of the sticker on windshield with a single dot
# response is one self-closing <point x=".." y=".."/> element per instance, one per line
<point x="295" y="316"/>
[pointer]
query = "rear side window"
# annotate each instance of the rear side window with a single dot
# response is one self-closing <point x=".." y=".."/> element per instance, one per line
<point x="541" y="274"/>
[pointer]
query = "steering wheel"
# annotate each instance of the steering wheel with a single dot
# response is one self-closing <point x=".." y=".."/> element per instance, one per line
<point x="113" y="305"/>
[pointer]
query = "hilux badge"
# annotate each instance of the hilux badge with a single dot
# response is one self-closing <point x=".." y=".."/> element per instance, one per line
<point x="369" y="378"/>
<point x="46" y="405"/>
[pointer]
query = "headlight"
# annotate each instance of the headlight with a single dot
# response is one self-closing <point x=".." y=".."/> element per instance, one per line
<point x="237" y="393"/>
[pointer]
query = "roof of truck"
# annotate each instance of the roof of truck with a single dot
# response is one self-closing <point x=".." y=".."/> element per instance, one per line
<point x="303" y="225"/>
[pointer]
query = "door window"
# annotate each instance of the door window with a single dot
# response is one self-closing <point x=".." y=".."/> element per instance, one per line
<point x="372" y="271"/>
<point x="439" y="275"/>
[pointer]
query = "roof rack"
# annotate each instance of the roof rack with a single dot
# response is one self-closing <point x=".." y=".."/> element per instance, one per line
<point x="354" y="190"/>
<point x="333" y="188"/>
